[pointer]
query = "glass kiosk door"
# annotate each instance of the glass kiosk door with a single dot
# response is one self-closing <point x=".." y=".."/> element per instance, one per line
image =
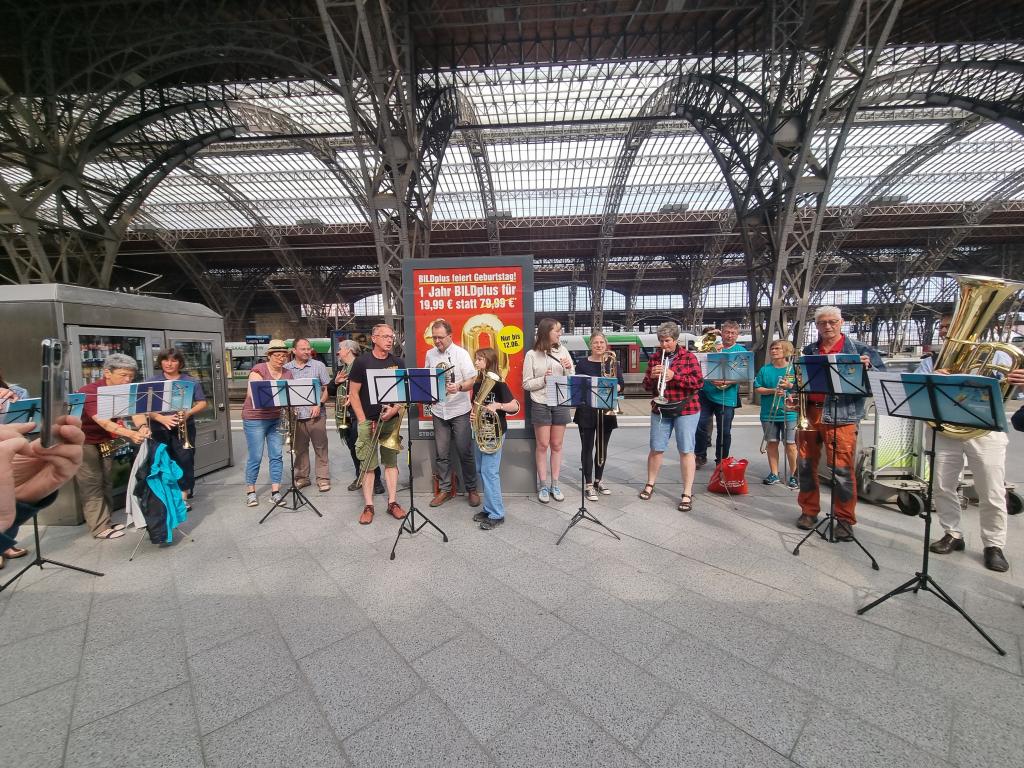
<point x="204" y="360"/>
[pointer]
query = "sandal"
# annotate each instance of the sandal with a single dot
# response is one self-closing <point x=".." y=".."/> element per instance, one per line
<point x="14" y="552"/>
<point x="117" y="527"/>
<point x="323" y="486"/>
<point x="685" y="503"/>
<point x="110" y="533"/>
<point x="646" y="494"/>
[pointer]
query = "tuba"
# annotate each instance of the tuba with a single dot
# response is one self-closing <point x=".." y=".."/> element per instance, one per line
<point x="980" y="298"/>
<point x="486" y="425"/>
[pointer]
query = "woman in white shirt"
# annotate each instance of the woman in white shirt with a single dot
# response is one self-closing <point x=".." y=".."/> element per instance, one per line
<point x="547" y="358"/>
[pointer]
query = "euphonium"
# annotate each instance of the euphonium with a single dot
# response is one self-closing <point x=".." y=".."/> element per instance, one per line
<point x="980" y="298"/>
<point x="486" y="425"/>
<point x="183" y="430"/>
<point x="341" y="401"/>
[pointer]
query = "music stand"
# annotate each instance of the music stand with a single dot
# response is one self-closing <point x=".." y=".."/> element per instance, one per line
<point x="597" y="395"/>
<point x="733" y="367"/>
<point x="288" y="394"/>
<point x="29" y="414"/>
<point x="832" y="376"/>
<point x="943" y="401"/>
<point x="412" y="386"/>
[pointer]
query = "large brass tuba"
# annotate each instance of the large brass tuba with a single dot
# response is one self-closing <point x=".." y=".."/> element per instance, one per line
<point x="486" y="425"/>
<point x="962" y="352"/>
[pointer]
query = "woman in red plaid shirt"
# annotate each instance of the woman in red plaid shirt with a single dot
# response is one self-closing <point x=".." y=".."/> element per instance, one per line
<point x="683" y="381"/>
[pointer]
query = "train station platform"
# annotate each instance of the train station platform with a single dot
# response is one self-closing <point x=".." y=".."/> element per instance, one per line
<point x="696" y="640"/>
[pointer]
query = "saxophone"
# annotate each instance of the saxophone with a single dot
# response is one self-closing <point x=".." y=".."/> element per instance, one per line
<point x="486" y="425"/>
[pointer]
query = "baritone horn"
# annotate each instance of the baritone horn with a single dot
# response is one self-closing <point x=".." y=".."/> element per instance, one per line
<point x="486" y="425"/>
<point x="963" y="352"/>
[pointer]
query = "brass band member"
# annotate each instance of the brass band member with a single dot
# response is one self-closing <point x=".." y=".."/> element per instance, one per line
<point x="586" y="418"/>
<point x="376" y="417"/>
<point x="986" y="457"/>
<point x="674" y="377"/>
<point x="93" y="478"/>
<point x="167" y="427"/>
<point x="773" y="383"/>
<point x="719" y="399"/>
<point x="451" y="418"/>
<point x="547" y="358"/>
<point x="348" y="350"/>
<point x="310" y="421"/>
<point x="848" y="413"/>
<point x="501" y="402"/>
<point x="261" y="426"/>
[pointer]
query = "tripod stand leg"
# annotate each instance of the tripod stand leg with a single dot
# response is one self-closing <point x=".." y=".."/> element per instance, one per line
<point x="575" y="519"/>
<point x="913" y="584"/>
<point x="940" y="592"/>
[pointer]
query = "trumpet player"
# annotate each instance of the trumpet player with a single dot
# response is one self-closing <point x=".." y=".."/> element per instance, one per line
<point x="773" y="383"/>
<point x="848" y="411"/>
<point x="595" y="427"/>
<point x="719" y="399"/>
<point x="261" y="426"/>
<point x="348" y="350"/>
<point x="376" y="418"/>
<point x="674" y="375"/>
<point x="310" y="421"/>
<point x="451" y="418"/>
<point x="177" y="429"/>
<point x="501" y="402"/>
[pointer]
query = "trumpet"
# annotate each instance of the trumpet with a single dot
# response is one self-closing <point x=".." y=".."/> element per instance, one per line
<point x="341" y="401"/>
<point x="448" y="369"/>
<point x="183" y="430"/>
<point x="665" y="363"/>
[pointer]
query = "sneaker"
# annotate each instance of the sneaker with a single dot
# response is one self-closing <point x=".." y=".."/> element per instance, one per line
<point x="354" y="485"/>
<point x="700" y="461"/>
<point x="490" y="525"/>
<point x="479" y="517"/>
<point x="793" y="482"/>
<point x="275" y="497"/>
<point x="251" y="499"/>
<point x="378" y="489"/>
<point x="543" y="495"/>
<point x="601" y="488"/>
<point x="590" y="493"/>
<point x="771" y="479"/>
<point x="556" y="493"/>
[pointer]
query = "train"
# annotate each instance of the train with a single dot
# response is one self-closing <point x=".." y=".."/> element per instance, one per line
<point x="632" y="350"/>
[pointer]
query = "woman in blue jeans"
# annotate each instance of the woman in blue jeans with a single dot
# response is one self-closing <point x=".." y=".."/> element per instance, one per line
<point x="488" y="465"/>
<point x="261" y="427"/>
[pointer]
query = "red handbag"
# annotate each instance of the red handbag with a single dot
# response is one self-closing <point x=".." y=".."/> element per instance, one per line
<point x="729" y="477"/>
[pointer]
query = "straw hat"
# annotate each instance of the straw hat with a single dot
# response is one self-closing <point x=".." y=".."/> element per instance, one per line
<point x="276" y="345"/>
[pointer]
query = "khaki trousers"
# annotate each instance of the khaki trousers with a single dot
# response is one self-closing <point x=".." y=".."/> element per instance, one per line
<point x="93" y="485"/>
<point x="312" y="431"/>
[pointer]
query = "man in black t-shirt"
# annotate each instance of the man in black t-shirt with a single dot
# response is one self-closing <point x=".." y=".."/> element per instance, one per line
<point x="372" y="417"/>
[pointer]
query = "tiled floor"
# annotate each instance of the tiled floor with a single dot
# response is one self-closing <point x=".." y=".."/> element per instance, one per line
<point x="697" y="640"/>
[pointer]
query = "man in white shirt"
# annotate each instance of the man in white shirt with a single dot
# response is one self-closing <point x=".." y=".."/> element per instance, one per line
<point x="451" y="418"/>
<point x="310" y="421"/>
<point x="986" y="457"/>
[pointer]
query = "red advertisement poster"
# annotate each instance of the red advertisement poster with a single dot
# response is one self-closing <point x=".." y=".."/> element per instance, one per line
<point x="485" y="307"/>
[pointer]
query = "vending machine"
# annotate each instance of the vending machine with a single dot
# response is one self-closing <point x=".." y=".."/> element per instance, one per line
<point x="94" y="324"/>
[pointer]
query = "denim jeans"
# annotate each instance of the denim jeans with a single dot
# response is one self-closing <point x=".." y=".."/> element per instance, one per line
<point x="723" y="423"/>
<point x="488" y="466"/>
<point x="256" y="432"/>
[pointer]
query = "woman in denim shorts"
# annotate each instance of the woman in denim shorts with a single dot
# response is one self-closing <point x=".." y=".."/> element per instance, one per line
<point x="547" y="358"/>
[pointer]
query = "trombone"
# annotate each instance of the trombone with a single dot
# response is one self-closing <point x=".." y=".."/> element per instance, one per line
<point x="392" y="442"/>
<point x="609" y="364"/>
<point x="341" y="402"/>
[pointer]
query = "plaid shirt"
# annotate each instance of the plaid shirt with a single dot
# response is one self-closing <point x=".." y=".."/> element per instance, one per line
<point x="685" y="384"/>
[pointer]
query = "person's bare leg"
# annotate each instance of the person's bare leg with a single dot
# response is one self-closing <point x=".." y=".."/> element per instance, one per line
<point x="557" y="438"/>
<point x="543" y="440"/>
<point x="687" y="469"/>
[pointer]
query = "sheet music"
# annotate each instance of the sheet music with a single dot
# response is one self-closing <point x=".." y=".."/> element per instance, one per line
<point x="163" y="396"/>
<point x="604" y="392"/>
<point x="278" y="393"/>
<point x="556" y="390"/>
<point x="840" y="374"/>
<point x="116" y="401"/>
<point x="726" y="366"/>
<point x="960" y="399"/>
<point x="22" y="411"/>
<point x="427" y="385"/>
<point x="386" y="386"/>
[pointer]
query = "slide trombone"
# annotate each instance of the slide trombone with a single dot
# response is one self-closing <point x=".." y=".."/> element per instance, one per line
<point x="392" y="441"/>
<point x="341" y="401"/>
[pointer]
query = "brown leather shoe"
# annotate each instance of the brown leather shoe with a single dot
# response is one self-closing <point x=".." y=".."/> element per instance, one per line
<point x="440" y="498"/>
<point x="367" y="517"/>
<point x="843" y="531"/>
<point x="994" y="560"/>
<point x="395" y="510"/>
<point x="474" y="498"/>
<point x="806" y="522"/>
<point x="948" y="543"/>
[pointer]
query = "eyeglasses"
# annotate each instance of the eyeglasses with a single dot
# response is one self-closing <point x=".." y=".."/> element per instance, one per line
<point x="829" y="322"/>
<point x="439" y="338"/>
<point x="384" y="336"/>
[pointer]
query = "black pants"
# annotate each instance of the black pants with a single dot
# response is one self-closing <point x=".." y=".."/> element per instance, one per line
<point x="183" y="457"/>
<point x="350" y="436"/>
<point x="588" y="455"/>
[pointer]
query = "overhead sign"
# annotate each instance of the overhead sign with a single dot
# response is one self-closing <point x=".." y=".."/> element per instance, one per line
<point x="257" y="339"/>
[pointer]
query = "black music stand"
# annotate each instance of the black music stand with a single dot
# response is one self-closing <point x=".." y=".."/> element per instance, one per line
<point x="824" y="384"/>
<point x="583" y="513"/>
<point x="943" y="409"/>
<point x="411" y="387"/>
<point x="39" y="559"/>
<point x="293" y="399"/>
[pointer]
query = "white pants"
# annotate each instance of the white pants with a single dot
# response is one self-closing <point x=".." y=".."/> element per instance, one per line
<point x="986" y="457"/>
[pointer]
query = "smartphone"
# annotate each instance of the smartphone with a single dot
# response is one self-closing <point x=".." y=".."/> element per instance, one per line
<point x="53" y="392"/>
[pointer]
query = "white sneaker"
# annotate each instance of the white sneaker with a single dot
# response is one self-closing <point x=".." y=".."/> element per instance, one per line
<point x="556" y="493"/>
<point x="603" y="489"/>
<point x="590" y="493"/>
<point x="275" y="497"/>
<point x="251" y="499"/>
